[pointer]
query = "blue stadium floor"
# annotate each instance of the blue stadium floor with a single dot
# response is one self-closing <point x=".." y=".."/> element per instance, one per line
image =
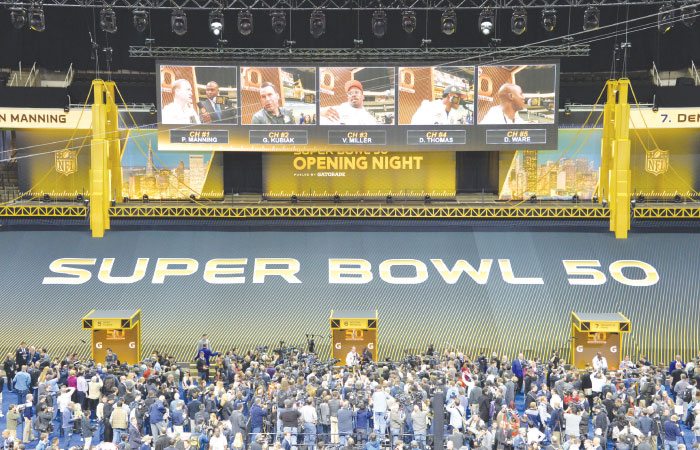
<point x="9" y="398"/>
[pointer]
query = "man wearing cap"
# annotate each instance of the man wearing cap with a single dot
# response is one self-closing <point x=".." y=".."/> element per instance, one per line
<point x="672" y="433"/>
<point x="351" y="112"/>
<point x="271" y="113"/>
<point x="441" y="111"/>
<point x="511" y="100"/>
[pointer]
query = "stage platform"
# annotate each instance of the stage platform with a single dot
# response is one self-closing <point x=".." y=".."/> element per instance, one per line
<point x="465" y="206"/>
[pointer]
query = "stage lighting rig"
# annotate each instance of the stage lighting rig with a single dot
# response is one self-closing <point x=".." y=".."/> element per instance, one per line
<point x="317" y="23"/>
<point x="178" y="22"/>
<point x="408" y="21"/>
<point x="216" y="22"/>
<point x="448" y="23"/>
<point x="549" y="19"/>
<point x="36" y="18"/>
<point x="666" y="15"/>
<point x="245" y="22"/>
<point x="689" y="13"/>
<point x="140" y="20"/>
<point x="591" y="18"/>
<point x="518" y="21"/>
<point x="279" y="21"/>
<point x="379" y="23"/>
<point x="18" y="17"/>
<point x="486" y="21"/>
<point x="108" y="20"/>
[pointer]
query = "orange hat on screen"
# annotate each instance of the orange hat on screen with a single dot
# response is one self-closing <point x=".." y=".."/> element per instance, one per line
<point x="353" y="84"/>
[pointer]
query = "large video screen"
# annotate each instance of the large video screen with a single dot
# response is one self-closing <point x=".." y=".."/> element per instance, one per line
<point x="350" y="108"/>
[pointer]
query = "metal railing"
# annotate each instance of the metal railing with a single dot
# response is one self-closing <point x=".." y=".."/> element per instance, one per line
<point x="69" y="76"/>
<point x="655" y="74"/>
<point x="31" y="77"/>
<point x="694" y="73"/>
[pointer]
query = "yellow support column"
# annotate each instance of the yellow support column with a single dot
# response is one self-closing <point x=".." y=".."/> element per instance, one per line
<point x="115" y="163"/>
<point x="621" y="175"/>
<point x="99" y="163"/>
<point x="606" y="142"/>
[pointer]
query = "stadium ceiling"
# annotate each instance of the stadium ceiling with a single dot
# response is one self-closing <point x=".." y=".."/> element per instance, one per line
<point x="329" y="5"/>
<point x="364" y="54"/>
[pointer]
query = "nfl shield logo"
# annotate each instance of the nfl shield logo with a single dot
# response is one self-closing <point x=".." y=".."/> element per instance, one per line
<point x="657" y="161"/>
<point x="66" y="162"/>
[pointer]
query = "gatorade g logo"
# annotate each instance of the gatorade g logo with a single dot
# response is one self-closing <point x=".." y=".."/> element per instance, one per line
<point x="370" y="346"/>
<point x="337" y="345"/>
<point x="613" y="349"/>
<point x="132" y="344"/>
<point x="98" y="345"/>
<point x="579" y="349"/>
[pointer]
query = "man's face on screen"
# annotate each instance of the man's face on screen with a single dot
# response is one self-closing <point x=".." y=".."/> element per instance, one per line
<point x="184" y="93"/>
<point x="269" y="98"/>
<point x="212" y="93"/>
<point x="356" y="98"/>
<point x="518" y="98"/>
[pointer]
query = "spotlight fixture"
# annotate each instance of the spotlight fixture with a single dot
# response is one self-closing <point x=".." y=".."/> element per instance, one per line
<point x="108" y="20"/>
<point x="178" y="22"/>
<point x="36" y="18"/>
<point x="336" y="198"/>
<point x="575" y="198"/>
<point x="152" y="111"/>
<point x="145" y="198"/>
<point x="79" y="198"/>
<point x="46" y="198"/>
<point x="666" y="14"/>
<point x="448" y="23"/>
<point x="549" y="19"/>
<point x="294" y="198"/>
<point x="112" y="203"/>
<point x="379" y="23"/>
<point x="533" y="198"/>
<point x="408" y="21"/>
<point x="140" y="20"/>
<point x="193" y="198"/>
<point x="427" y="199"/>
<point x="518" y="21"/>
<point x="216" y="22"/>
<point x="591" y="18"/>
<point x="279" y="21"/>
<point x="594" y="199"/>
<point x="18" y="17"/>
<point x="245" y="22"/>
<point x="567" y="110"/>
<point x="66" y="108"/>
<point x="389" y="199"/>
<point x="641" y="198"/>
<point x="604" y="203"/>
<point x="689" y="14"/>
<point x="677" y="198"/>
<point x="486" y="22"/>
<point x="317" y="23"/>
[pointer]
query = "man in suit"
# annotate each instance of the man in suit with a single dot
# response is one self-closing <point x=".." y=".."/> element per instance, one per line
<point x="215" y="108"/>
<point x="136" y="440"/>
<point x="21" y="355"/>
<point x="518" y="365"/>
<point x="238" y="422"/>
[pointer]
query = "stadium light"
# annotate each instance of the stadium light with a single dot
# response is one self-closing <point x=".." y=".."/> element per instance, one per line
<point x="108" y="20"/>
<point x="279" y="22"/>
<point x="518" y="21"/>
<point x="549" y="19"/>
<point x="140" y="20"/>
<point x="591" y="18"/>
<point x="379" y="23"/>
<point x="666" y="13"/>
<point x="36" y="18"/>
<point x="689" y="13"/>
<point x="18" y="17"/>
<point x="449" y="22"/>
<point x="216" y="22"/>
<point x="245" y="22"/>
<point x="178" y="22"/>
<point x="486" y="20"/>
<point x="317" y="23"/>
<point x="408" y="21"/>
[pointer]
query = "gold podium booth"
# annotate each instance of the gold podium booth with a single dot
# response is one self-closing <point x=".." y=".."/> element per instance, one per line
<point x="592" y="333"/>
<point x="353" y="329"/>
<point x="119" y="330"/>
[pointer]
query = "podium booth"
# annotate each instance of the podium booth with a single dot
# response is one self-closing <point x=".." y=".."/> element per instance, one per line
<point x="592" y="333"/>
<point x="119" y="330"/>
<point x="353" y="329"/>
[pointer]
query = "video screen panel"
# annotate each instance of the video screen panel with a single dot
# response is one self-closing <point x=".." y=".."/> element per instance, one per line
<point x="389" y="108"/>
<point x="357" y="96"/>
<point x="278" y="95"/>
<point x="439" y="95"/>
<point x="517" y="94"/>
<point x="198" y="95"/>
